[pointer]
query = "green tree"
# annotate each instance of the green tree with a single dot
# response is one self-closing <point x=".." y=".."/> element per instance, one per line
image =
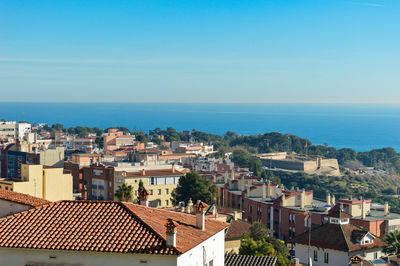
<point x="258" y="231"/>
<point x="124" y="192"/>
<point x="393" y="243"/>
<point x="140" y="188"/>
<point x="194" y="186"/>
<point x="261" y="247"/>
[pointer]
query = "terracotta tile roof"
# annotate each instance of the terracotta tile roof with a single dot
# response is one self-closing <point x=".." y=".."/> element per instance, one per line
<point x="249" y="260"/>
<point x="22" y="198"/>
<point x="103" y="227"/>
<point x="237" y="228"/>
<point x="338" y="237"/>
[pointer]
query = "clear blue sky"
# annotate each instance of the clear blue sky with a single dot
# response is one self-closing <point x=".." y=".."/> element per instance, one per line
<point x="337" y="51"/>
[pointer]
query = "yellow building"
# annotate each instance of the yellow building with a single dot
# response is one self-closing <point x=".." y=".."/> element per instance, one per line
<point x="40" y="181"/>
<point x="160" y="183"/>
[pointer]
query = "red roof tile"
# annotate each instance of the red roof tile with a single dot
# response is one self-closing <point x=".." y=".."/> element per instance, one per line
<point x="22" y="198"/>
<point x="337" y="237"/>
<point x="103" y="227"/>
<point x="237" y="229"/>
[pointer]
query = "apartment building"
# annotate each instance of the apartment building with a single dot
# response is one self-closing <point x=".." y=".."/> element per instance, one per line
<point x="114" y="140"/>
<point x="8" y="129"/>
<point x="159" y="182"/>
<point x="46" y="182"/>
<point x="98" y="182"/>
<point x="282" y="210"/>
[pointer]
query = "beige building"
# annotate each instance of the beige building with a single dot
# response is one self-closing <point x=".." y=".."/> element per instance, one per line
<point x="40" y="181"/>
<point x="160" y="183"/>
<point x="8" y="129"/>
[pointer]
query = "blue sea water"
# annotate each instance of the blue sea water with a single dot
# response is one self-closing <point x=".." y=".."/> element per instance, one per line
<point x="361" y="127"/>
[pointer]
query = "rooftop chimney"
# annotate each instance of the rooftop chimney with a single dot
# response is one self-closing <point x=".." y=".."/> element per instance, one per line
<point x="363" y="209"/>
<point x="143" y="172"/>
<point x="269" y="188"/>
<point x="143" y="197"/>
<point x="333" y="200"/>
<point x="189" y="206"/>
<point x="264" y="191"/>
<point x="173" y="168"/>
<point x="328" y="198"/>
<point x="302" y="199"/>
<point x="200" y="208"/>
<point x="171" y="232"/>
<point x="386" y="208"/>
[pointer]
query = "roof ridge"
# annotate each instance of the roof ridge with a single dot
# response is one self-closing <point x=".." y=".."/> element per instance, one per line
<point x="122" y="204"/>
<point x="345" y="240"/>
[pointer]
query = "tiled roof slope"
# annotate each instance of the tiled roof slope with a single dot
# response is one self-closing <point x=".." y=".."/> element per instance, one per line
<point x="187" y="236"/>
<point x="237" y="228"/>
<point x="22" y="198"/>
<point x="248" y="260"/>
<point x="101" y="226"/>
<point x="337" y="237"/>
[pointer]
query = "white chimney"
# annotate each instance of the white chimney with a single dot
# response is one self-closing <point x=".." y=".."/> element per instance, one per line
<point x="328" y="198"/>
<point x="302" y="199"/>
<point x="386" y="208"/>
<point x="200" y="208"/>
<point x="171" y="232"/>
<point x="363" y="209"/>
<point x="264" y="191"/>
<point x="333" y="200"/>
<point x="269" y="188"/>
<point x="189" y="206"/>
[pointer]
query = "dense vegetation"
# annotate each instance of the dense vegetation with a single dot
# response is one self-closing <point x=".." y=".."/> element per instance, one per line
<point x="260" y="243"/>
<point x="193" y="186"/>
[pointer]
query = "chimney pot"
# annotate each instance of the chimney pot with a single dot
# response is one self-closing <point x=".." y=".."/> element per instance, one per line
<point x="171" y="232"/>
<point x="143" y="197"/>
<point x="386" y="208"/>
<point x="363" y="209"/>
<point x="200" y="208"/>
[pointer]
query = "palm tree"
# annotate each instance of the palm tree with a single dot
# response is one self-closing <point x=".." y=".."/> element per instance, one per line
<point x="124" y="192"/>
<point x="393" y="243"/>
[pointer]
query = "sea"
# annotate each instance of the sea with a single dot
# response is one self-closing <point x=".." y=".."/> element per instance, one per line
<point x="360" y="127"/>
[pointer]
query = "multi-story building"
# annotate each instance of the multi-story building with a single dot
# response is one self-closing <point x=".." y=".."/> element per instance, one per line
<point x="45" y="182"/>
<point x="160" y="183"/>
<point x="282" y="210"/>
<point x="98" y="182"/>
<point x="22" y="129"/>
<point x="8" y="129"/>
<point x="114" y="140"/>
<point x="85" y="145"/>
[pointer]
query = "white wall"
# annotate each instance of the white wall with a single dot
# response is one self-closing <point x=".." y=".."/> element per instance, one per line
<point x="9" y="207"/>
<point x="18" y="257"/>
<point x="335" y="257"/>
<point x="202" y="254"/>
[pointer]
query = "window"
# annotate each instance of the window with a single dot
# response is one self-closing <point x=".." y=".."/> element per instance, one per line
<point x="166" y="202"/>
<point x="152" y="180"/>
<point x="315" y="255"/>
<point x="167" y="191"/>
<point x="151" y="192"/>
<point x="326" y="257"/>
<point x="159" y="191"/>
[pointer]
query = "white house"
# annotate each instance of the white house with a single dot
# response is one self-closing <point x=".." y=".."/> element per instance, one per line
<point x="13" y="202"/>
<point x="335" y="242"/>
<point x="110" y="233"/>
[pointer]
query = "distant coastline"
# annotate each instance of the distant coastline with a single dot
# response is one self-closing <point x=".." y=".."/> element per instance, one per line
<point x="360" y="127"/>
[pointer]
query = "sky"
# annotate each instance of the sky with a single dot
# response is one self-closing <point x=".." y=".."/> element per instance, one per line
<point x="321" y="51"/>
